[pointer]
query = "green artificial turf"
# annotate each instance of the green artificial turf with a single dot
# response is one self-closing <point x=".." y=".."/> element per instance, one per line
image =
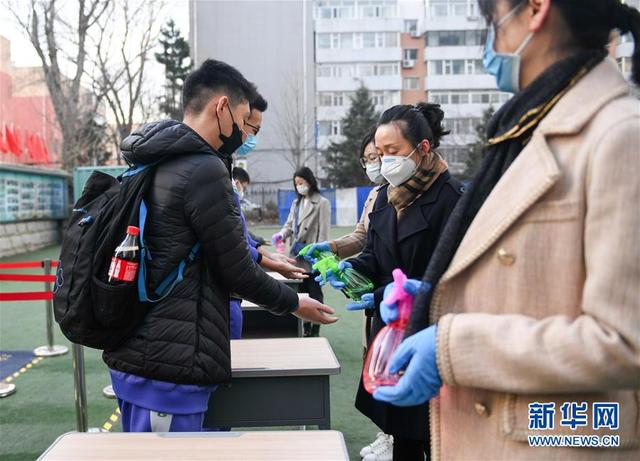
<point x="43" y="407"/>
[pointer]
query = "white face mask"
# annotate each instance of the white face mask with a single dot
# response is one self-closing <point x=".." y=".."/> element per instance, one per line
<point x="397" y="168"/>
<point x="373" y="172"/>
<point x="302" y="190"/>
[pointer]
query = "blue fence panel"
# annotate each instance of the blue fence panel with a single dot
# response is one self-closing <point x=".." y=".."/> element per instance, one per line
<point x="363" y="193"/>
<point x="286" y="198"/>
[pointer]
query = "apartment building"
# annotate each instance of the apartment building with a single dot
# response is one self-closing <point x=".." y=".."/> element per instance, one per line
<point x="454" y="38"/>
<point x="375" y="43"/>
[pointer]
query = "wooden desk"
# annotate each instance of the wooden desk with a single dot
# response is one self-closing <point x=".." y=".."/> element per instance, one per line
<point x="192" y="446"/>
<point x="276" y="382"/>
<point x="258" y="323"/>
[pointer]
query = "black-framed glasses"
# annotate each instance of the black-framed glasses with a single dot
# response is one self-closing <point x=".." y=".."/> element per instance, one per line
<point x="256" y="129"/>
<point x="370" y="157"/>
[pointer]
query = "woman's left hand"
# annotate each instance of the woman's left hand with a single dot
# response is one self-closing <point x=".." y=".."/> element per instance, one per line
<point x="389" y="311"/>
<point x="421" y="380"/>
<point x="366" y="302"/>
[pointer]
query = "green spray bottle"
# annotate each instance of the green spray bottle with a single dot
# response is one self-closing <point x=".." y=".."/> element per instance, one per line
<point x="355" y="284"/>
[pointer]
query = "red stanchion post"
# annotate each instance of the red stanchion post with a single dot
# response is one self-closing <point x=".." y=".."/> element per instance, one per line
<point x="50" y="350"/>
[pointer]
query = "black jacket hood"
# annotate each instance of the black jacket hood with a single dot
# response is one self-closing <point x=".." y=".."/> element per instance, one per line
<point x="161" y="140"/>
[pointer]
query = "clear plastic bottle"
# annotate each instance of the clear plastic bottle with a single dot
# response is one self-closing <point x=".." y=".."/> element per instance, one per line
<point x="278" y="242"/>
<point x="376" y="366"/>
<point x="355" y="284"/>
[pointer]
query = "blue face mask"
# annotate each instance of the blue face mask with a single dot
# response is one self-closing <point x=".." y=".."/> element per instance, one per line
<point x="505" y="67"/>
<point x="249" y="145"/>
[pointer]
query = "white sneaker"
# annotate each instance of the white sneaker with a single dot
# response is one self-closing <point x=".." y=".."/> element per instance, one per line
<point x="381" y="438"/>
<point x="381" y="452"/>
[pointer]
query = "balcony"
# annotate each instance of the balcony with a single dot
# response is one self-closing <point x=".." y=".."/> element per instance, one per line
<point x="460" y="82"/>
<point x="359" y="25"/>
<point x="433" y="53"/>
<point x="359" y="55"/>
<point x="382" y="83"/>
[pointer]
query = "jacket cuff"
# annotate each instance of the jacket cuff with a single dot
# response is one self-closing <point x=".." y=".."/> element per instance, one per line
<point x="443" y="358"/>
<point x="378" y="296"/>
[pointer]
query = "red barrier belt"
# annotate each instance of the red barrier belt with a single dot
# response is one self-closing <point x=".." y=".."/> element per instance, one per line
<point x="26" y="265"/>
<point x="27" y="296"/>
<point x="27" y="278"/>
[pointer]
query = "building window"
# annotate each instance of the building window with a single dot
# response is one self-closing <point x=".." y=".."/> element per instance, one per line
<point x="323" y="71"/>
<point x="325" y="99"/>
<point x="456" y="38"/>
<point x="391" y="40"/>
<point x="344" y="71"/>
<point x="625" y="64"/>
<point x="456" y="67"/>
<point x="410" y="83"/>
<point x="462" y="126"/>
<point x="442" y="8"/>
<point x="323" y="40"/>
<point x="336" y="128"/>
<point x="386" y="69"/>
<point x="411" y="26"/>
<point x="369" y="40"/>
<point x="324" y="128"/>
<point x="410" y="54"/>
<point x="346" y="41"/>
<point x="468" y="97"/>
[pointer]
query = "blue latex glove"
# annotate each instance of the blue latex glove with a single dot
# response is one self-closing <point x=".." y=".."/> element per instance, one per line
<point x="322" y="246"/>
<point x="332" y="278"/>
<point x="421" y="380"/>
<point x="389" y="312"/>
<point x="366" y="302"/>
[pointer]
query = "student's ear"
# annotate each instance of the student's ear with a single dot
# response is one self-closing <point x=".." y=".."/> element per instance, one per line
<point x="224" y="100"/>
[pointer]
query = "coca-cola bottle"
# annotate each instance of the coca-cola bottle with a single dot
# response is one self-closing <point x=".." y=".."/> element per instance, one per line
<point x="124" y="264"/>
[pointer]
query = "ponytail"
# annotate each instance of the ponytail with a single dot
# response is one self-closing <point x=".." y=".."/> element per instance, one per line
<point x="422" y="121"/>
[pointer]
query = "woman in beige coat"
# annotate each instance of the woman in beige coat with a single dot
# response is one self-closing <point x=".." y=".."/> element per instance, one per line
<point x="533" y="294"/>
<point x="309" y="221"/>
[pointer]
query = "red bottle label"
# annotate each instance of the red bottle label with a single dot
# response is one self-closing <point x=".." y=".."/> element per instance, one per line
<point x="122" y="270"/>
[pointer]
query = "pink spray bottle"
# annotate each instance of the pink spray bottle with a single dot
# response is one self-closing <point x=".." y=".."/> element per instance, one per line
<point x="376" y="366"/>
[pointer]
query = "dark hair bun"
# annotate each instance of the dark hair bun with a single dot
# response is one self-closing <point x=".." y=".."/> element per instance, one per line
<point x="434" y="115"/>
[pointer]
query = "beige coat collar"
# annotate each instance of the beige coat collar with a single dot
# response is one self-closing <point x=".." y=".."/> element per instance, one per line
<point x="536" y="169"/>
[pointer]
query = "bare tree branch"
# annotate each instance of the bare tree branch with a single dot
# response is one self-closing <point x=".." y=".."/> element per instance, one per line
<point x="290" y="120"/>
<point x="50" y="31"/>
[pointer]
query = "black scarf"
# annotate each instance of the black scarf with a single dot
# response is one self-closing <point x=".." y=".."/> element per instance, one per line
<point x="509" y="131"/>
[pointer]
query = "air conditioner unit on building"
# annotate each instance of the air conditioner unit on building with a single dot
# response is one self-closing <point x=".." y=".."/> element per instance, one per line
<point x="408" y="63"/>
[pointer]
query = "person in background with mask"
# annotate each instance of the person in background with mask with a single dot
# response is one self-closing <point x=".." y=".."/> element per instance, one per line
<point x="271" y="261"/>
<point x="241" y="180"/>
<point x="353" y="243"/>
<point x="532" y="295"/>
<point x="165" y="372"/>
<point x="407" y="220"/>
<point x="309" y="221"/>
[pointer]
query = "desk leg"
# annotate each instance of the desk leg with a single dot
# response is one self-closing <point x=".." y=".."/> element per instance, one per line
<point x="326" y="424"/>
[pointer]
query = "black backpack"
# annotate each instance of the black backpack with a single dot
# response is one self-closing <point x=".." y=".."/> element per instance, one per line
<point x="91" y="311"/>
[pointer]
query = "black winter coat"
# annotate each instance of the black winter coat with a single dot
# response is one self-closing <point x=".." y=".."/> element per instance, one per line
<point x="184" y="339"/>
<point x="406" y="244"/>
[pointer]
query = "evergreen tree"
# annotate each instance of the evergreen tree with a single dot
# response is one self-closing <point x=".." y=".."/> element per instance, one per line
<point x="177" y="65"/>
<point x="343" y="165"/>
<point x="478" y="149"/>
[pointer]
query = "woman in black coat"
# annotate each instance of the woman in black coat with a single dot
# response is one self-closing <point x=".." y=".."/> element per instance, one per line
<point x="405" y="225"/>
